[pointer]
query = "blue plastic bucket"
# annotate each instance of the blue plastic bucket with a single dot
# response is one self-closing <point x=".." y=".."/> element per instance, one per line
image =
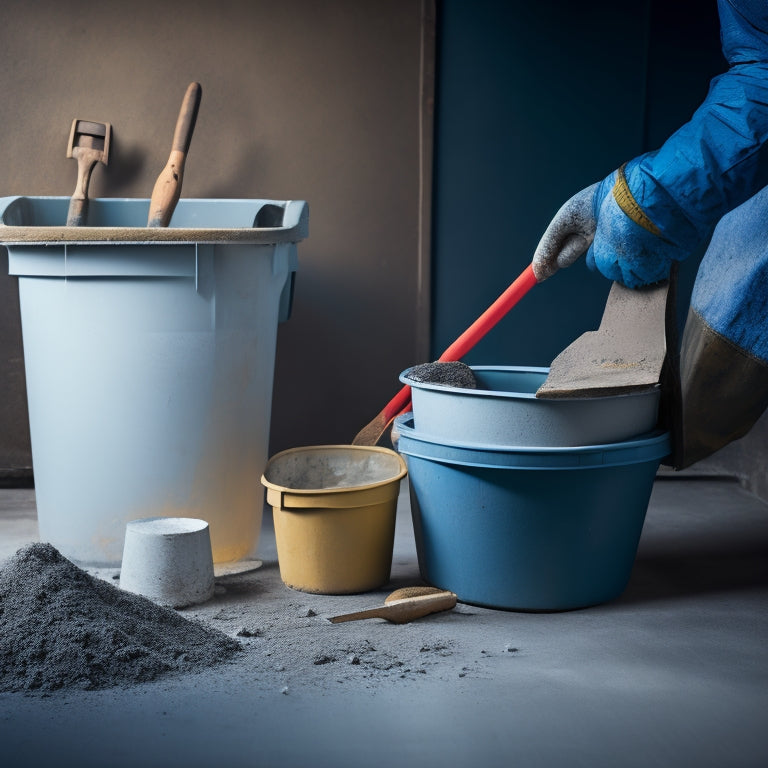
<point x="149" y="356"/>
<point x="531" y="529"/>
<point x="504" y="410"/>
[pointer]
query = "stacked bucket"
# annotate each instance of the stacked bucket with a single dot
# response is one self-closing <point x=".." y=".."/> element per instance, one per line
<point x="523" y="503"/>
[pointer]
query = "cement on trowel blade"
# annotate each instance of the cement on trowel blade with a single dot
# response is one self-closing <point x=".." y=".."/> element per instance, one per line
<point x="625" y="354"/>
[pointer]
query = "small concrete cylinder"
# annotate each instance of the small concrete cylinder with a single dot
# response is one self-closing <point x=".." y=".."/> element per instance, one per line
<point x="168" y="560"/>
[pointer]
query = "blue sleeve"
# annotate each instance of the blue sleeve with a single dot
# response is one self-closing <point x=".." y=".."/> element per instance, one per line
<point x="719" y="158"/>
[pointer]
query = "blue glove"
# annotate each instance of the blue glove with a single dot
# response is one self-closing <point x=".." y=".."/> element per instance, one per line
<point x="604" y="221"/>
<point x="663" y="205"/>
<point x="628" y="247"/>
<point x="568" y="235"/>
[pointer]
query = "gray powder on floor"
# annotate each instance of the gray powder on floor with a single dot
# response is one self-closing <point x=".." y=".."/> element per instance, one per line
<point x="62" y="628"/>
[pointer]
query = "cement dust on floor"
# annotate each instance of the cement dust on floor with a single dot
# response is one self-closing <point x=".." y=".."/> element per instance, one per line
<point x="673" y="673"/>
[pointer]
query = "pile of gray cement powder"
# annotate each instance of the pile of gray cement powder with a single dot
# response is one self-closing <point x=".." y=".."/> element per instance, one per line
<point x="62" y="628"/>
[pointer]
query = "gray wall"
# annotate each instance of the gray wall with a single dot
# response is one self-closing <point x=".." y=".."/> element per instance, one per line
<point x="302" y="99"/>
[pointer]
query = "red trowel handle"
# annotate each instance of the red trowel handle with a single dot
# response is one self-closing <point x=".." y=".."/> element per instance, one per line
<point x="371" y="433"/>
<point x="490" y="317"/>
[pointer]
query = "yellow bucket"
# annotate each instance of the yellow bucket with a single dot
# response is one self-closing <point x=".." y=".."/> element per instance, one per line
<point x="334" y="509"/>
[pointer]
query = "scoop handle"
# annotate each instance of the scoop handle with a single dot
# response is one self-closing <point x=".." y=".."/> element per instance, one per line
<point x="371" y="613"/>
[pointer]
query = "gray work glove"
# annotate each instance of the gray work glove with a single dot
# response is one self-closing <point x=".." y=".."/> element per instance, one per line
<point x="568" y="235"/>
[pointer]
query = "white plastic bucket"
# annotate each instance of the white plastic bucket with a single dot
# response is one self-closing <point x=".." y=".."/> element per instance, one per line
<point x="149" y="358"/>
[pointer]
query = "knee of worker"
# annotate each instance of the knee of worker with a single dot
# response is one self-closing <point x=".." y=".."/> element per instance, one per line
<point x="724" y="390"/>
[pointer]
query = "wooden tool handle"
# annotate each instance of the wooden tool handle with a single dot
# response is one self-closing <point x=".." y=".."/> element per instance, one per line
<point x="167" y="189"/>
<point x="185" y="124"/>
<point x="78" y="203"/>
<point x="371" y="613"/>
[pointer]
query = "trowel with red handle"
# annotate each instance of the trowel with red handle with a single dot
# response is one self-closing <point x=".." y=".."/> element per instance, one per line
<point x="372" y="432"/>
<point x="628" y="353"/>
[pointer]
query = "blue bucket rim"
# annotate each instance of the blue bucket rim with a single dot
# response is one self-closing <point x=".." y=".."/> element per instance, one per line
<point x="650" y="447"/>
<point x="435" y="387"/>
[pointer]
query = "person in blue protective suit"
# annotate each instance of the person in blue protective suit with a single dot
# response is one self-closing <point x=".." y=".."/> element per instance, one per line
<point x="658" y="208"/>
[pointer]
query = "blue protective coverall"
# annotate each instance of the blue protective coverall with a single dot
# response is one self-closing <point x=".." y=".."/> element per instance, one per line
<point x="661" y="206"/>
<point x="658" y="208"/>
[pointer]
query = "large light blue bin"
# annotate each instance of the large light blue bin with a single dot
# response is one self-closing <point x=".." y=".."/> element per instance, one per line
<point x="532" y="529"/>
<point x="149" y="357"/>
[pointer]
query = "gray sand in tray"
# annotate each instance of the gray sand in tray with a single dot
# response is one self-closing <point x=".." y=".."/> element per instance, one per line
<point x="62" y="628"/>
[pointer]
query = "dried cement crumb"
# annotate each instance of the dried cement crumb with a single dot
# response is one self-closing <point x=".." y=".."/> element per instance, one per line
<point x="249" y="632"/>
<point x="63" y="628"/>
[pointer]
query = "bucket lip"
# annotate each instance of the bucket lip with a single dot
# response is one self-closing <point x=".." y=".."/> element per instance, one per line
<point x="508" y="394"/>
<point x="402" y="471"/>
<point x="652" y="446"/>
<point x="21" y="235"/>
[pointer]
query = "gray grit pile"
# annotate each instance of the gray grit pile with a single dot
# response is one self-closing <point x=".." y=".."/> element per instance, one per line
<point x="62" y="628"/>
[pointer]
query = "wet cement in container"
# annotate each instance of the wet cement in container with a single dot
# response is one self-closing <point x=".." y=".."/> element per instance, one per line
<point x="62" y="628"/>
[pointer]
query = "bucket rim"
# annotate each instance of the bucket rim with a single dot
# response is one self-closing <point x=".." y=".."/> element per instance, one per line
<point x="650" y="447"/>
<point x="401" y="473"/>
<point x="14" y="233"/>
<point x="495" y="393"/>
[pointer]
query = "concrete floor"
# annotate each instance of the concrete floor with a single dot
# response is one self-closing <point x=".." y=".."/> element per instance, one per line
<point x="674" y="673"/>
